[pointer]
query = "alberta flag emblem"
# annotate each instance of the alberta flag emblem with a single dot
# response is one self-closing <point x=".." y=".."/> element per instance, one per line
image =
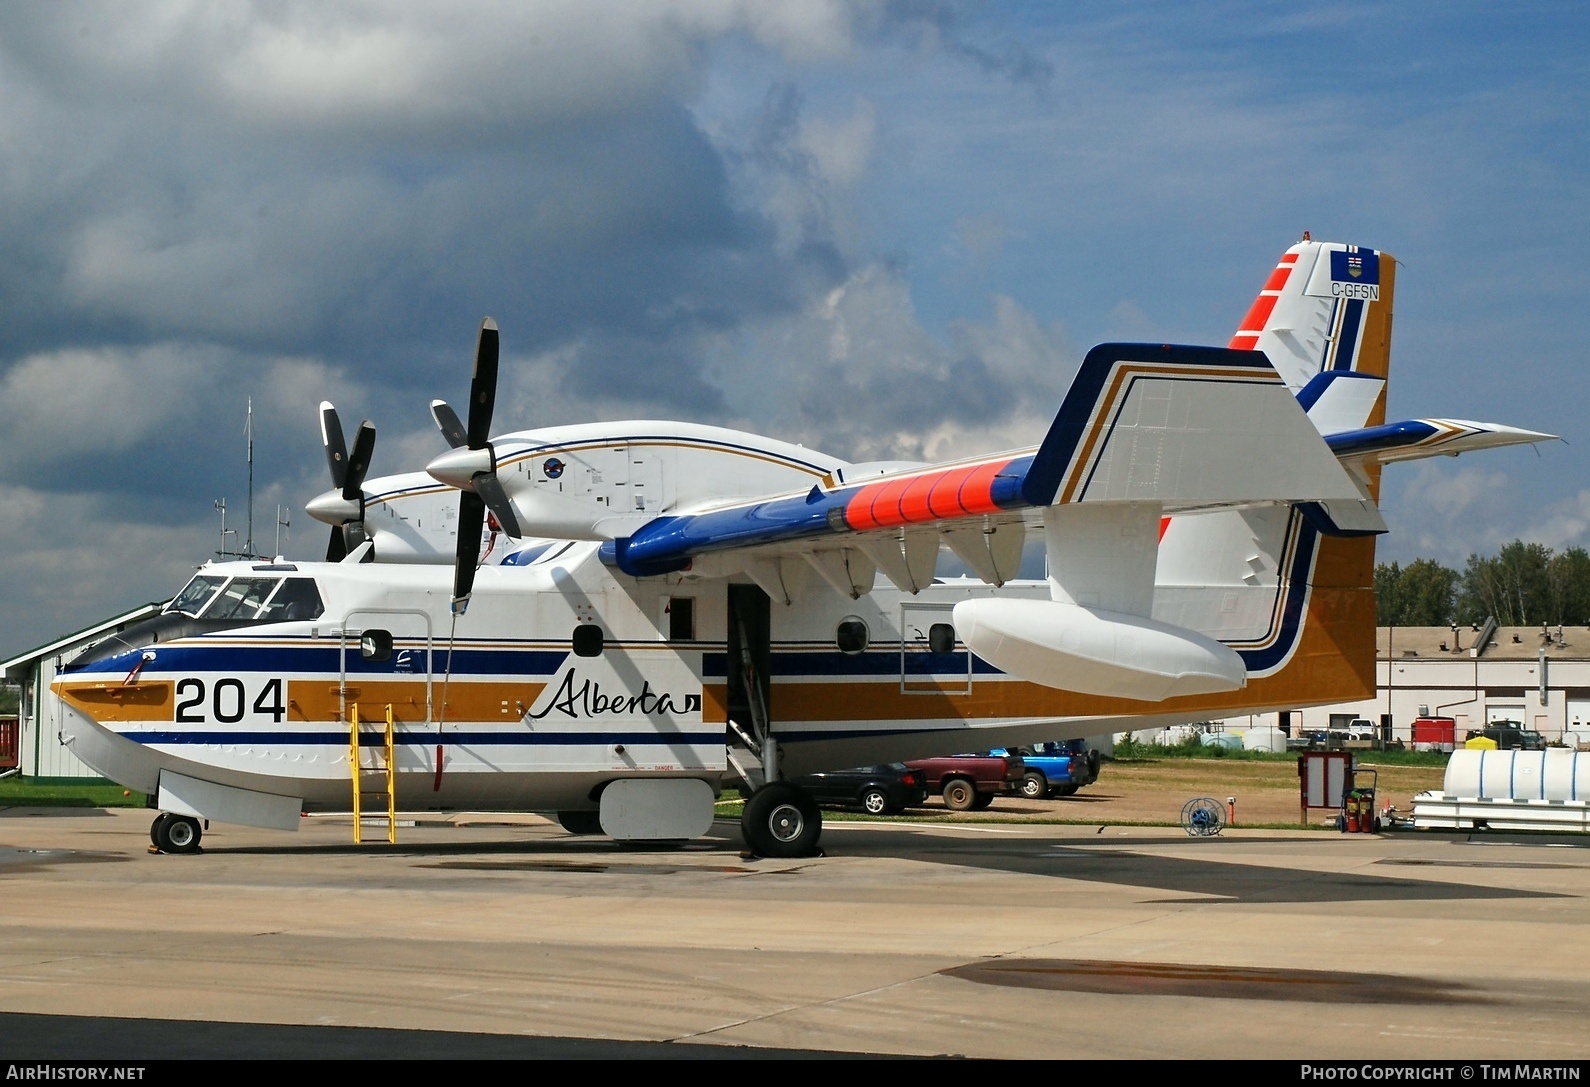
<point x="1355" y="274"/>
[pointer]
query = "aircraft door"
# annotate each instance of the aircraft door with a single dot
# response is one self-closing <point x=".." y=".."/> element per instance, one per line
<point x="932" y="661"/>
<point x="646" y="479"/>
<point x="388" y="657"/>
<point x="750" y="656"/>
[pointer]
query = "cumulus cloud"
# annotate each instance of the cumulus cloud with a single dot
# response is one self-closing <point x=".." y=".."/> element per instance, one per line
<point x="869" y="225"/>
<point x="857" y="375"/>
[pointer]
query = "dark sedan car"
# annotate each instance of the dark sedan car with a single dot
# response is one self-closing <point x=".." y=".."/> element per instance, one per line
<point x="876" y="790"/>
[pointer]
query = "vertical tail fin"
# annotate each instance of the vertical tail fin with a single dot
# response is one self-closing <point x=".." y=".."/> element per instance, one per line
<point x="1325" y="309"/>
<point x="1296" y="604"/>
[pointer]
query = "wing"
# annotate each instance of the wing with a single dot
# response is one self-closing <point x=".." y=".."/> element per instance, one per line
<point x="1143" y="425"/>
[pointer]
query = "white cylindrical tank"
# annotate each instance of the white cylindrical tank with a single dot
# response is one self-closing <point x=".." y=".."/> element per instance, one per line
<point x="1264" y="738"/>
<point x="1553" y="774"/>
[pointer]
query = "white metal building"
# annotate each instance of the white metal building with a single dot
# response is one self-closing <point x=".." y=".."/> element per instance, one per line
<point x="1537" y="676"/>
<point x="41" y="753"/>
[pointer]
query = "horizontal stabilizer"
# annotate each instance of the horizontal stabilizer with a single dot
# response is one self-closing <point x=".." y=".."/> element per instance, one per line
<point x="1415" y="439"/>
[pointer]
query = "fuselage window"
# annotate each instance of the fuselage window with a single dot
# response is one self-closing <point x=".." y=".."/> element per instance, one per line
<point x="242" y="597"/>
<point x="587" y="640"/>
<point x="682" y="619"/>
<point x="194" y="595"/>
<point x="296" y="599"/>
<point x="852" y="636"/>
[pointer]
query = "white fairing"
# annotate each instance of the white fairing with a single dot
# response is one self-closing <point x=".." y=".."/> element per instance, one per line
<point x="208" y="800"/>
<point x="1096" y="652"/>
<point x="637" y="809"/>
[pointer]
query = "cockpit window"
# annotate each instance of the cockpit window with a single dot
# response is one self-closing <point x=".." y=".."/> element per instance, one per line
<point x="194" y="595"/>
<point x="296" y="599"/>
<point x="241" y="599"/>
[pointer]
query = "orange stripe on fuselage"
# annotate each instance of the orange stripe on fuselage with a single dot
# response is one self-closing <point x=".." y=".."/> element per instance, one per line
<point x="112" y="701"/>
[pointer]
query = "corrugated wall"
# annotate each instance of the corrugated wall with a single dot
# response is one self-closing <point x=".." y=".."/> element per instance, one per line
<point x="43" y="755"/>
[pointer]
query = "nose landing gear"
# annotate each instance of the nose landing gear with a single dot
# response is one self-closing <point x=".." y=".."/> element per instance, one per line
<point x="172" y="833"/>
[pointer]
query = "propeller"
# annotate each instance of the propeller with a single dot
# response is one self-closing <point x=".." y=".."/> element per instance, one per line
<point x="342" y="507"/>
<point x="471" y="464"/>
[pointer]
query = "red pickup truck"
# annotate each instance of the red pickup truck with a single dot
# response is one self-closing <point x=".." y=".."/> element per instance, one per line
<point x="970" y="782"/>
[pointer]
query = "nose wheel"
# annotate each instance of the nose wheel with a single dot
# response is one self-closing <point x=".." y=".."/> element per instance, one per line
<point x="172" y="833"/>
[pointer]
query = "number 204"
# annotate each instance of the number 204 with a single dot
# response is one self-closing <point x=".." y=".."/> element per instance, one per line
<point x="227" y="701"/>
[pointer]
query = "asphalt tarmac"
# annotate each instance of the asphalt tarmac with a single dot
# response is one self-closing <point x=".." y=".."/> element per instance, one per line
<point x="505" y="937"/>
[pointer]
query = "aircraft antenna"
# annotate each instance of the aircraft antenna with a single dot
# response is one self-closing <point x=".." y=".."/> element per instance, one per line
<point x="281" y="523"/>
<point x="441" y="716"/>
<point x="248" y="430"/>
<point x="220" y="504"/>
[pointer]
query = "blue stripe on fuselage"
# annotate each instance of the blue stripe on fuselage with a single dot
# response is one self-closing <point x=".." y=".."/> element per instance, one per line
<point x="327" y="660"/>
<point x="426" y="738"/>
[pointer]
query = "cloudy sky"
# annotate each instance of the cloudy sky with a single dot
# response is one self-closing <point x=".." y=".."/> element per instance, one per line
<point x="881" y="228"/>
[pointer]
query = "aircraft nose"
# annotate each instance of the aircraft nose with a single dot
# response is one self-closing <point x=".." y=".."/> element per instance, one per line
<point x="458" y="467"/>
<point x="332" y="508"/>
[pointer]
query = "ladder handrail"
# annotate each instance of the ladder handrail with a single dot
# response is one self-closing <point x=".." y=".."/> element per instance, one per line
<point x="391" y="781"/>
<point x="356" y="768"/>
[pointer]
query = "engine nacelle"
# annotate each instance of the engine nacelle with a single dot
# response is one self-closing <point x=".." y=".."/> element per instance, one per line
<point x="1092" y="651"/>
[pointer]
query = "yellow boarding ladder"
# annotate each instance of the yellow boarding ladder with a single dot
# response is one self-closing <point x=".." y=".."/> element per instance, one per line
<point x="388" y="770"/>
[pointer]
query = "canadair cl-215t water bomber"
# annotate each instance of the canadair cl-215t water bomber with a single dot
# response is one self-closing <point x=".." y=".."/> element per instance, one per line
<point x="639" y="614"/>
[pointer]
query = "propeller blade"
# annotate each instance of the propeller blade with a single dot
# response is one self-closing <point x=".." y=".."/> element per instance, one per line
<point x="453" y="431"/>
<point x="483" y="385"/>
<point x="471" y="518"/>
<point x="337" y="549"/>
<point x="359" y="462"/>
<point x="331" y="438"/>
<point x="489" y="487"/>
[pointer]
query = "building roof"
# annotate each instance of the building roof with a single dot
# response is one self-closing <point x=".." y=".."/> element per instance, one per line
<point x="16" y="669"/>
<point x="1504" y="643"/>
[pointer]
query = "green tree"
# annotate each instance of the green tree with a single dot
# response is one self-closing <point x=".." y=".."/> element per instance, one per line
<point x="1422" y="594"/>
<point x="1568" y="583"/>
<point x="10" y="699"/>
<point x="1513" y="586"/>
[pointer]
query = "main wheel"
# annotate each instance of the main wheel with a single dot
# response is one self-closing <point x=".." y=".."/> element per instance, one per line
<point x="874" y="801"/>
<point x="179" y="834"/>
<point x="157" y="826"/>
<point x="1034" y="786"/>
<point x="959" y="794"/>
<point x="982" y="801"/>
<point x="781" y="820"/>
<point x="580" y="822"/>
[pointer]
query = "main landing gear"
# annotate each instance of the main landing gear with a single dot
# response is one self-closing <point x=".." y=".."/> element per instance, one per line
<point x="781" y="820"/>
<point x="172" y="833"/>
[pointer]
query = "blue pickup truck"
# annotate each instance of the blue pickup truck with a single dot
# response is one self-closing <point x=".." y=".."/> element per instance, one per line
<point x="1058" y="768"/>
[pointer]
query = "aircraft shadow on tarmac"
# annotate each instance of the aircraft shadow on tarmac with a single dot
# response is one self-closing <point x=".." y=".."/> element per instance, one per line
<point x="1114" y="861"/>
<point x="1200" y="871"/>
